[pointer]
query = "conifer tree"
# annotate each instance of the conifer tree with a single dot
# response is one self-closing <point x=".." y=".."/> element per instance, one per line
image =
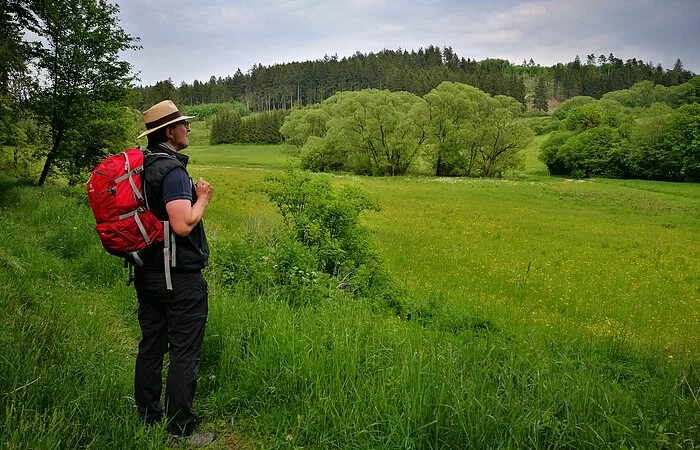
<point x="539" y="103"/>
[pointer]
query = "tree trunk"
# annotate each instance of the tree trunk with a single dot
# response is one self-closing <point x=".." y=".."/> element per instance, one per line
<point x="47" y="166"/>
<point x="50" y="158"/>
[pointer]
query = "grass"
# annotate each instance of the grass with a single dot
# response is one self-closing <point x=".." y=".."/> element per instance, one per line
<point x="545" y="314"/>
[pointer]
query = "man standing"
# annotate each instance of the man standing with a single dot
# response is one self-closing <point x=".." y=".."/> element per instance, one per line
<point x="171" y="291"/>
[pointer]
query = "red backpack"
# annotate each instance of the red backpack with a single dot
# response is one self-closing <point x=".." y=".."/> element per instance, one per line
<point x="116" y="196"/>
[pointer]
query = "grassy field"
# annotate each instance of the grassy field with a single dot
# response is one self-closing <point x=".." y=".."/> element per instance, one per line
<point x="553" y="314"/>
<point x="596" y="255"/>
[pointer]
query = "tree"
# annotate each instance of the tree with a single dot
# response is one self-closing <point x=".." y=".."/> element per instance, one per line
<point x="78" y="66"/>
<point x="304" y="122"/>
<point x="539" y="103"/>
<point x="14" y="53"/>
<point x="502" y="138"/>
<point x="162" y="90"/>
<point x="678" y="66"/>
<point x="379" y="131"/>
<point x="473" y="134"/>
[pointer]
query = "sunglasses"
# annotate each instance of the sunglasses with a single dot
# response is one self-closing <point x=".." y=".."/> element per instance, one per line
<point x="186" y="123"/>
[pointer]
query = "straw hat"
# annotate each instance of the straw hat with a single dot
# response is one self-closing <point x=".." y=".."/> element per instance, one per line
<point x="160" y="115"/>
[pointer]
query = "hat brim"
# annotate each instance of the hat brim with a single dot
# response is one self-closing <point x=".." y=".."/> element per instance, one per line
<point x="179" y="119"/>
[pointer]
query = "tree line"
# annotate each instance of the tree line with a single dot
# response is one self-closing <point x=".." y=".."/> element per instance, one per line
<point x="281" y="86"/>
<point x="228" y="127"/>
<point x="602" y="74"/>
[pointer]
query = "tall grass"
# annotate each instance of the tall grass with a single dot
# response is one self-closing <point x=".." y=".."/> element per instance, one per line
<point x="502" y="343"/>
<point x="67" y="349"/>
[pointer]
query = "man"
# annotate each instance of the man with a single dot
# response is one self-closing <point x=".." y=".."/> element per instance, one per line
<point x="171" y="291"/>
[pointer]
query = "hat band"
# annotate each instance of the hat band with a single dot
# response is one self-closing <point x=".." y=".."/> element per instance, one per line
<point x="163" y="120"/>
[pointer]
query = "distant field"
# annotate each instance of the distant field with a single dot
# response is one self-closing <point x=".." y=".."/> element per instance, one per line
<point x="607" y="257"/>
<point x="238" y="155"/>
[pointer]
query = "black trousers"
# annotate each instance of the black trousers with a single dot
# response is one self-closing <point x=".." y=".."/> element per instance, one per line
<point x="174" y="322"/>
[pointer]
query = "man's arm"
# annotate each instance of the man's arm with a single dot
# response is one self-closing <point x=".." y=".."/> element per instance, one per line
<point x="183" y="215"/>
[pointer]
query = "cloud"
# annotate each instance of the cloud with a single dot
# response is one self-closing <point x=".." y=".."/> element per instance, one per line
<point x="185" y="41"/>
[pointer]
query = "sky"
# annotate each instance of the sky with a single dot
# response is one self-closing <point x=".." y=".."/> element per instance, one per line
<point x="188" y="40"/>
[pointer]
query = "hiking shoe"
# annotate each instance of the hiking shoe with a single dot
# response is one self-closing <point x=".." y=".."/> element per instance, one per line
<point x="193" y="440"/>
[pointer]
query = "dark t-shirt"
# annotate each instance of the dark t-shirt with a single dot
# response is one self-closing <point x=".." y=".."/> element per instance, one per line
<point x="177" y="185"/>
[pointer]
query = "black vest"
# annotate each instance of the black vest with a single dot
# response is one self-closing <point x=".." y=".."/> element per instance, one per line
<point x="191" y="252"/>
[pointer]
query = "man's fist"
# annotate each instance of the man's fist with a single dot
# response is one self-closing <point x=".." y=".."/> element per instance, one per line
<point x="203" y="189"/>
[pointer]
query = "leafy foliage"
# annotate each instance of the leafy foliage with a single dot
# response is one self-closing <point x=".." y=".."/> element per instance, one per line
<point x="374" y="132"/>
<point x="303" y="123"/>
<point x="325" y="220"/>
<point x="473" y="134"/>
<point x="633" y="133"/>
<point x="368" y="132"/>
<point x="79" y="68"/>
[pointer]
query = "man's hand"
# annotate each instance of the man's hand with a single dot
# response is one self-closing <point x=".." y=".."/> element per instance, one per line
<point x="204" y="190"/>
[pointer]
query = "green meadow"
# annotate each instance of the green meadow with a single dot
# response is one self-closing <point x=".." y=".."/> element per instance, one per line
<point x="539" y="312"/>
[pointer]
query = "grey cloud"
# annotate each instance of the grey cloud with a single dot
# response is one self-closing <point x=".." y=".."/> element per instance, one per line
<point x="214" y="37"/>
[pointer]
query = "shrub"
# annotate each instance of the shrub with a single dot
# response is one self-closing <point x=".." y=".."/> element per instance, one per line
<point x="549" y="152"/>
<point x="567" y="106"/>
<point x="322" y="252"/>
<point x="325" y="220"/>
<point x="594" y="152"/>
<point x="667" y="147"/>
<point x="542" y="124"/>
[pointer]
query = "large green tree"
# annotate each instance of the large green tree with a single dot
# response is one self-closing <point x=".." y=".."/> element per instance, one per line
<point x="472" y="133"/>
<point x="304" y="122"/>
<point x="79" y="70"/>
<point x="380" y="130"/>
<point x="368" y="132"/>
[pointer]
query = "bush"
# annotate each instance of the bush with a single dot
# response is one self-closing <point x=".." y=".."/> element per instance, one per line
<point x="667" y="147"/>
<point x="322" y="252"/>
<point x="541" y="124"/>
<point x="567" y="106"/>
<point x="325" y="220"/>
<point x="549" y="152"/>
<point x="594" y="114"/>
<point x="594" y="152"/>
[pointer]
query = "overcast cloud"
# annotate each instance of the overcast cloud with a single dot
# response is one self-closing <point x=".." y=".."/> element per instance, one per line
<point x="186" y="40"/>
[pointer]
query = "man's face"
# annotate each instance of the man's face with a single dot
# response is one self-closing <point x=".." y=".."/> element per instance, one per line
<point x="177" y="135"/>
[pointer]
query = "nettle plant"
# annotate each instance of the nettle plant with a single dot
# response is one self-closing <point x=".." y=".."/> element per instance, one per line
<point x="324" y="223"/>
<point x="322" y="251"/>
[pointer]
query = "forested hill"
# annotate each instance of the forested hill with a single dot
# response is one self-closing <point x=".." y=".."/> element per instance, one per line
<point x="282" y="85"/>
